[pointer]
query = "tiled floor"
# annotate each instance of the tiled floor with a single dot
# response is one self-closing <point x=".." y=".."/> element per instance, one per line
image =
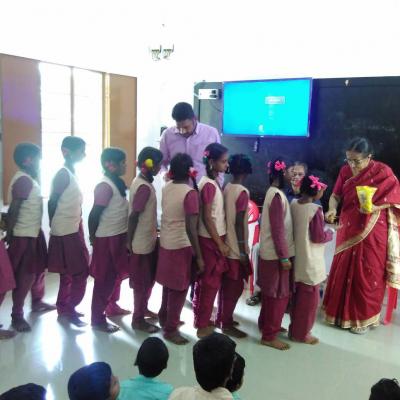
<point x="343" y="366"/>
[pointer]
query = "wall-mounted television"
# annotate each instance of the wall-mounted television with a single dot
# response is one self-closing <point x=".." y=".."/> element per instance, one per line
<point x="267" y="107"/>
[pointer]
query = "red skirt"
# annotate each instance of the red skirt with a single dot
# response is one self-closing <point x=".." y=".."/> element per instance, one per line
<point x="215" y="263"/>
<point x="28" y="253"/>
<point x="175" y="269"/>
<point x="110" y="252"/>
<point x="274" y="281"/>
<point x="356" y="284"/>
<point x="68" y="254"/>
<point x="7" y="281"/>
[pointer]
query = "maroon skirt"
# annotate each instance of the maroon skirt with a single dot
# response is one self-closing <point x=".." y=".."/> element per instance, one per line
<point x="68" y="254"/>
<point x="28" y="253"/>
<point x="215" y="262"/>
<point x="175" y="268"/>
<point x="110" y="252"/>
<point x="7" y="281"/>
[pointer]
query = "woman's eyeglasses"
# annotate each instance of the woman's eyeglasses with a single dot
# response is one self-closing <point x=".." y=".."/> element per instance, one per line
<point x="356" y="161"/>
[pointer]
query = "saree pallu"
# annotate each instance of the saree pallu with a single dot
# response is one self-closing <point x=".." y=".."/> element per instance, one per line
<point x="367" y="251"/>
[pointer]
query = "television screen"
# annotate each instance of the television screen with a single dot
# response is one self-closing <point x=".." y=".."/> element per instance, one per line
<point x="267" y="108"/>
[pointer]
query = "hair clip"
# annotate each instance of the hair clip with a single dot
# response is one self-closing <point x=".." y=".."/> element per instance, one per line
<point x="280" y="165"/>
<point x="192" y="173"/>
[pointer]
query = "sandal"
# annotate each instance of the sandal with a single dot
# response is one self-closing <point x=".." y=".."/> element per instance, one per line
<point x="254" y="300"/>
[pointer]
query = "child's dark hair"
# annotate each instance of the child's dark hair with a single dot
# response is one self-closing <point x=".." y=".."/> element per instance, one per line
<point x="277" y="173"/>
<point x="235" y="382"/>
<point x="149" y="153"/>
<point x="214" y="151"/>
<point x="360" y="145"/>
<point x="213" y="358"/>
<point x="240" y="164"/>
<point x="152" y="357"/>
<point x="182" y="111"/>
<point x="90" y="382"/>
<point x="116" y="156"/>
<point x="23" y="151"/>
<point x="179" y="168"/>
<point x="30" y="391"/>
<point x="385" y="389"/>
<point x="72" y="143"/>
<point x="305" y="187"/>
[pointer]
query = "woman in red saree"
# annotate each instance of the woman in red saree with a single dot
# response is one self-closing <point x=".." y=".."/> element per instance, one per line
<point x="367" y="245"/>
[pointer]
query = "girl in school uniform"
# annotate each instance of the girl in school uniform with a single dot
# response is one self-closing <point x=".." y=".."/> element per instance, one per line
<point x="68" y="254"/>
<point x="236" y="199"/>
<point x="276" y="257"/>
<point x="142" y="236"/>
<point x="310" y="237"/>
<point x="179" y="244"/>
<point x="27" y="248"/>
<point x="212" y="231"/>
<point x="108" y="226"/>
<point x="7" y="283"/>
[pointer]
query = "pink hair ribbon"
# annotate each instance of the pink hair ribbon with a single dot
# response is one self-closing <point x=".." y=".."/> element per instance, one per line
<point x="316" y="184"/>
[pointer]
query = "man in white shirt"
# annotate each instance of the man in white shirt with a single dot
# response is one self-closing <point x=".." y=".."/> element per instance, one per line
<point x="213" y="359"/>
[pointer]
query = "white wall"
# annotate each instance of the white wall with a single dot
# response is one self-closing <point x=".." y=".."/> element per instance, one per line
<point x="214" y="40"/>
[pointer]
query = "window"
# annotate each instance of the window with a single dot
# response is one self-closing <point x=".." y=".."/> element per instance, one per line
<point x="71" y="102"/>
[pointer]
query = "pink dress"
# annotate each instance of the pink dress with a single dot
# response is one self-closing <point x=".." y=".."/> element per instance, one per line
<point x="175" y="269"/>
<point x="110" y="251"/>
<point x="68" y="254"/>
<point x="27" y="253"/>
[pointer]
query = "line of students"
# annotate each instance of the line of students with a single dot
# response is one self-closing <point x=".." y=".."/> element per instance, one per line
<point x="203" y="239"/>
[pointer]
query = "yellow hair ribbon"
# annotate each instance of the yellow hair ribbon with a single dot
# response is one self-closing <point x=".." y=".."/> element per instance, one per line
<point x="149" y="163"/>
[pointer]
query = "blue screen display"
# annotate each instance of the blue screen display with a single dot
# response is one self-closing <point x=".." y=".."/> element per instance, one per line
<point x="267" y="108"/>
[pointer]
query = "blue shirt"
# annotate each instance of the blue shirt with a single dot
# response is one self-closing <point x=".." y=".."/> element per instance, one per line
<point x="142" y="388"/>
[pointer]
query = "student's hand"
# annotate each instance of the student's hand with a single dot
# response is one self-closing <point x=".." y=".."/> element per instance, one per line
<point x="200" y="265"/>
<point x="8" y="238"/>
<point x="330" y="216"/>
<point x="286" y="265"/>
<point x="244" y="260"/>
<point x="129" y="248"/>
<point x="223" y="249"/>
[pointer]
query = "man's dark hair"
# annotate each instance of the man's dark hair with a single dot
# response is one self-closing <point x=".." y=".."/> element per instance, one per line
<point x="182" y="111"/>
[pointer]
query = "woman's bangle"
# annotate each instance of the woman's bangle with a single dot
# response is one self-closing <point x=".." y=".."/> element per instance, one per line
<point x="284" y="260"/>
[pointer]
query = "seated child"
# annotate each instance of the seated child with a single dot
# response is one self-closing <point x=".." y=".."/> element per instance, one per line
<point x="93" y="382"/>
<point x="30" y="391"/>
<point x="213" y="358"/>
<point x="385" y="389"/>
<point x="236" y="381"/>
<point x="151" y="360"/>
